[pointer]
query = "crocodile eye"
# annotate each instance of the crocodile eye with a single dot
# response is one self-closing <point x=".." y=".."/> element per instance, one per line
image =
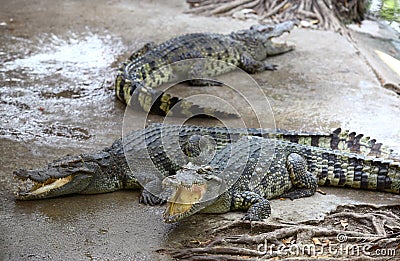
<point x="266" y="29"/>
<point x="262" y="28"/>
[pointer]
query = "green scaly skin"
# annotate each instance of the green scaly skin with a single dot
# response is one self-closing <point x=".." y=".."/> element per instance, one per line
<point x="245" y="174"/>
<point x="152" y="65"/>
<point x="153" y="159"/>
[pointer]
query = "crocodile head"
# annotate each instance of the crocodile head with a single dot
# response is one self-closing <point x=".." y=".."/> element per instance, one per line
<point x="258" y="39"/>
<point x="190" y="190"/>
<point x="68" y="175"/>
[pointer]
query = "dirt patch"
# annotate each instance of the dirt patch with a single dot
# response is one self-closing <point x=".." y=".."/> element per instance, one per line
<point x="359" y="232"/>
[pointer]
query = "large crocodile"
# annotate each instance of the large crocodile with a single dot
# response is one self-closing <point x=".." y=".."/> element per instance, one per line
<point x="108" y="170"/>
<point x="153" y="65"/>
<point x="245" y="174"/>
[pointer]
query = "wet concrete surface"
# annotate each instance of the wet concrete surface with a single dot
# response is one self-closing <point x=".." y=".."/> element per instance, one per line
<point x="380" y="46"/>
<point x="58" y="61"/>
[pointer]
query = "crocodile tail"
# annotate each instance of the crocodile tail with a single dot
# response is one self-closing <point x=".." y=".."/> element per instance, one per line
<point x="358" y="143"/>
<point x="125" y="88"/>
<point x="339" y="139"/>
<point x="161" y="103"/>
<point x="356" y="171"/>
<point x="121" y="83"/>
<point x="158" y="102"/>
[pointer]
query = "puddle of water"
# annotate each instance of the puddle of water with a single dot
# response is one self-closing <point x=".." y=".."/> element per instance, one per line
<point x="73" y="57"/>
<point x="52" y="83"/>
<point x="89" y="52"/>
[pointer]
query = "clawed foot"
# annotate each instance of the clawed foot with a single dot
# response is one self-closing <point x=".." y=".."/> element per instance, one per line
<point x="298" y="193"/>
<point x="149" y="199"/>
<point x="204" y="82"/>
<point x="271" y="67"/>
<point x="251" y="217"/>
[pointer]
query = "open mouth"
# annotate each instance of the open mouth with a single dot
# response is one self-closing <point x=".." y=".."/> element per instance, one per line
<point x="181" y="202"/>
<point x="280" y="42"/>
<point x="29" y="188"/>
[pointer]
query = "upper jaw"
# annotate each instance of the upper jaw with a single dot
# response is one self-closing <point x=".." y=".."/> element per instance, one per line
<point x="272" y="31"/>
<point x="192" y="191"/>
<point x="41" y="190"/>
<point x="34" y="184"/>
<point x="68" y="175"/>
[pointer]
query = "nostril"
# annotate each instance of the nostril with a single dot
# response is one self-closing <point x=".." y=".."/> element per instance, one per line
<point x="23" y="173"/>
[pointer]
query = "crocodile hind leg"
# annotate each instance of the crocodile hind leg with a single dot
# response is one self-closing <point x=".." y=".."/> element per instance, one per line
<point x="257" y="207"/>
<point x="148" y="198"/>
<point x="201" y="72"/>
<point x="305" y="184"/>
<point x="250" y="65"/>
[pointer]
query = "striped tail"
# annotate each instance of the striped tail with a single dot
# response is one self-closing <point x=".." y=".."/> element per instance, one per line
<point x="342" y="169"/>
<point x="161" y="103"/>
<point x="338" y="139"/>
<point x="158" y="102"/>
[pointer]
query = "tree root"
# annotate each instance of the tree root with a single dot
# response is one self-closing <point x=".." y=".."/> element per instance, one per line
<point x="368" y="229"/>
<point x="325" y="14"/>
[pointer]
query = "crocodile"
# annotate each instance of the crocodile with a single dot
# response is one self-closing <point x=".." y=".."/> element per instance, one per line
<point x="153" y="65"/>
<point x="109" y="169"/>
<point x="245" y="174"/>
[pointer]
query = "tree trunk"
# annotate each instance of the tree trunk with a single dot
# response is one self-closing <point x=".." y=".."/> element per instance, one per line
<point x="324" y="14"/>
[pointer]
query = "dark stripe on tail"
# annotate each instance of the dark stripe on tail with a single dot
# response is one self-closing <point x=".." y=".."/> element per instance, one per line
<point x="161" y="103"/>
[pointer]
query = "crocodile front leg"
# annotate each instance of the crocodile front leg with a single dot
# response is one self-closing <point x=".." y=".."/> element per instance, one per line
<point x="250" y="65"/>
<point x="257" y="207"/>
<point x="203" y="70"/>
<point x="148" y="198"/>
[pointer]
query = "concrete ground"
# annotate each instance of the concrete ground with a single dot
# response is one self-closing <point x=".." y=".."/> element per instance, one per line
<point x="58" y="61"/>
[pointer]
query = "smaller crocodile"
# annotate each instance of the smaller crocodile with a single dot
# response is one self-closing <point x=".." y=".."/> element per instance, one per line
<point x="245" y="174"/>
<point x="154" y="65"/>
<point x="108" y="170"/>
